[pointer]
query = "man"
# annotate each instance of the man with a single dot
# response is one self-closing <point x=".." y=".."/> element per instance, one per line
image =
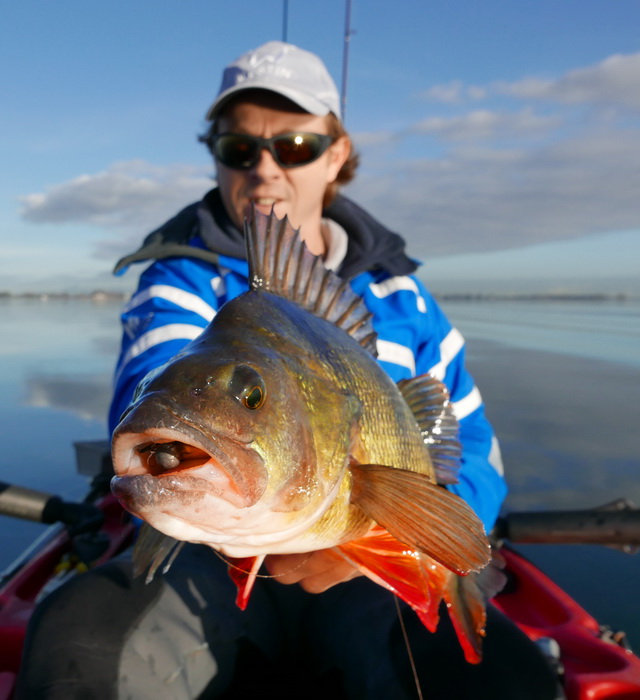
<point x="278" y="143"/>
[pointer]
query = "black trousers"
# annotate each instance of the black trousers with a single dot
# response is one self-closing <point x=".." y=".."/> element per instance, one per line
<point x="107" y="636"/>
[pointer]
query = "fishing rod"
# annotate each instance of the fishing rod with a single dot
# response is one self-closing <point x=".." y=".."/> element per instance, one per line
<point x="285" y="19"/>
<point x="348" y="33"/>
<point x="46" y="508"/>
<point x="615" y="524"/>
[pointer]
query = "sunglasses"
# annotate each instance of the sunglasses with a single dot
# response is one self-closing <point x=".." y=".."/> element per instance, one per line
<point x="242" y="152"/>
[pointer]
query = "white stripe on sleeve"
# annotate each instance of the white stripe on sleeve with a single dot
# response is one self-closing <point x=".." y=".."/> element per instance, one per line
<point x="495" y="457"/>
<point x="179" y="297"/>
<point x="463" y="407"/>
<point x="449" y="348"/>
<point x="396" y="354"/>
<point x="172" y="331"/>
<point x="396" y="284"/>
<point x="218" y="285"/>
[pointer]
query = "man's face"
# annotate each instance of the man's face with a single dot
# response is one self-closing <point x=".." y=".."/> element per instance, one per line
<point x="296" y="192"/>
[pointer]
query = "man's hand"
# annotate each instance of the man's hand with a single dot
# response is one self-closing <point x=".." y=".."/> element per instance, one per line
<point x="314" y="571"/>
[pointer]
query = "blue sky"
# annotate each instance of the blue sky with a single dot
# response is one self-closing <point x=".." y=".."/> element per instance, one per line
<point x="501" y="139"/>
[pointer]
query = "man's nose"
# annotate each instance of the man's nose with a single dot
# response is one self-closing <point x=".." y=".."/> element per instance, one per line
<point x="266" y="165"/>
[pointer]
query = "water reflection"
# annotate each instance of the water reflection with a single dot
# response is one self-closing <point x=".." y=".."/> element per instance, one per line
<point x="86" y="397"/>
<point x="567" y="425"/>
<point x="595" y="330"/>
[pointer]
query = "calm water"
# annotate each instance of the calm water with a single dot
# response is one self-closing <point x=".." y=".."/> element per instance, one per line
<point x="600" y="330"/>
<point x="561" y="382"/>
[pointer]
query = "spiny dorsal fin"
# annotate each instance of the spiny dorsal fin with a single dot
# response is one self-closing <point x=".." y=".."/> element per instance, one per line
<point x="428" y="399"/>
<point x="280" y="263"/>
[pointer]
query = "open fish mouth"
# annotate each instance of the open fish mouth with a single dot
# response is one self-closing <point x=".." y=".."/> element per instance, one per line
<point x="172" y="457"/>
<point x="223" y="466"/>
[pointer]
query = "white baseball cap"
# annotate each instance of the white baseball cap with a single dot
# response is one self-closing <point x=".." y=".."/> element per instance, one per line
<point x="285" y="69"/>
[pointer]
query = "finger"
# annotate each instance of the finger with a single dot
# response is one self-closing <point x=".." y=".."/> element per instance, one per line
<point x="290" y="568"/>
<point x="315" y="571"/>
<point x="321" y="582"/>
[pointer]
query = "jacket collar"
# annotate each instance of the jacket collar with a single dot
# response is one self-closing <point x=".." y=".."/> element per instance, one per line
<point x="204" y="230"/>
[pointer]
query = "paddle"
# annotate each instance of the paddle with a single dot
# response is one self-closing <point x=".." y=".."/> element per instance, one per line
<point x="41" y="507"/>
<point x="613" y="524"/>
<point x="616" y="523"/>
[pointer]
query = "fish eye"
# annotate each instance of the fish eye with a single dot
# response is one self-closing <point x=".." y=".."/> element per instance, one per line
<point x="248" y="387"/>
<point x="254" y="398"/>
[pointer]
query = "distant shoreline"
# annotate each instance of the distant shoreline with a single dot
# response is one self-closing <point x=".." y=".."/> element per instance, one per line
<point x="101" y="296"/>
<point x="97" y="296"/>
<point x="518" y="296"/>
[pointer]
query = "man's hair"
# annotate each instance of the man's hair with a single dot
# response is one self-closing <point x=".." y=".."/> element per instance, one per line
<point x="348" y="170"/>
<point x="336" y="130"/>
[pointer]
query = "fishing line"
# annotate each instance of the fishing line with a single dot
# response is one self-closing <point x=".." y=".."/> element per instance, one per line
<point x="412" y="661"/>
<point x="248" y="573"/>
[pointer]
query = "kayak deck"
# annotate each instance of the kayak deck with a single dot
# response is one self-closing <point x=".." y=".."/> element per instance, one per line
<point x="592" y="668"/>
<point x="20" y="590"/>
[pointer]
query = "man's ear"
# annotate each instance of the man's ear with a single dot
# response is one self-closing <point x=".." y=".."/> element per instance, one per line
<point x="338" y="153"/>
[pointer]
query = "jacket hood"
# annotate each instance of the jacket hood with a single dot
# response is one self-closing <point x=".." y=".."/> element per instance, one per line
<point x="371" y="246"/>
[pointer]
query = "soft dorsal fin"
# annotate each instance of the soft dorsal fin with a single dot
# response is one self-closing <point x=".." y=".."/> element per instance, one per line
<point x="428" y="399"/>
<point x="280" y="263"/>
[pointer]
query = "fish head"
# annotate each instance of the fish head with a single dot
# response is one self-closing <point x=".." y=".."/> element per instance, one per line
<point x="222" y="450"/>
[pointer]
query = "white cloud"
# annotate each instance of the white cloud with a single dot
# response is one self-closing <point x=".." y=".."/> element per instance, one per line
<point x="128" y="200"/>
<point x="485" y="124"/>
<point x="474" y="199"/>
<point x="566" y="173"/>
<point x="614" y="81"/>
<point x="563" y="175"/>
<point x="132" y="194"/>
<point x="454" y="92"/>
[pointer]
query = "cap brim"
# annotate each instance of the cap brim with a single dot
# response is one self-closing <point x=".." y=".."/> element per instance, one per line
<point x="306" y="102"/>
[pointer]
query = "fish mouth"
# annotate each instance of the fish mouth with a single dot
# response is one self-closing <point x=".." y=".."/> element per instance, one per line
<point x="176" y="448"/>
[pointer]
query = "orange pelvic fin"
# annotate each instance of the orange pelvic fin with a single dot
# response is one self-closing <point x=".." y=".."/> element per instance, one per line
<point x="243" y="573"/>
<point x="408" y="574"/>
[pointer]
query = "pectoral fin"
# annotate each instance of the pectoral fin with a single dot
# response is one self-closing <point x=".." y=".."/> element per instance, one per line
<point x="421" y="514"/>
<point x="150" y="551"/>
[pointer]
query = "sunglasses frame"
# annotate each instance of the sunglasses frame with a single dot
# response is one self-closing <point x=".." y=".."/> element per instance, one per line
<point x="324" y="141"/>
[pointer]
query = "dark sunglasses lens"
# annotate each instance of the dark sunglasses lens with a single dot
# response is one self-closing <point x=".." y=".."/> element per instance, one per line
<point x="236" y="151"/>
<point x="298" y="149"/>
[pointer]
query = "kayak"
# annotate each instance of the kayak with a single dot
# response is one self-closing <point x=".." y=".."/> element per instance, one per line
<point x="592" y="662"/>
<point x="32" y="576"/>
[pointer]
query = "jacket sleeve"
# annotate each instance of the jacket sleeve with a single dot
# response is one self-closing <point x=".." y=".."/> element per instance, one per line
<point x="441" y="352"/>
<point x="415" y="337"/>
<point x="175" y="300"/>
